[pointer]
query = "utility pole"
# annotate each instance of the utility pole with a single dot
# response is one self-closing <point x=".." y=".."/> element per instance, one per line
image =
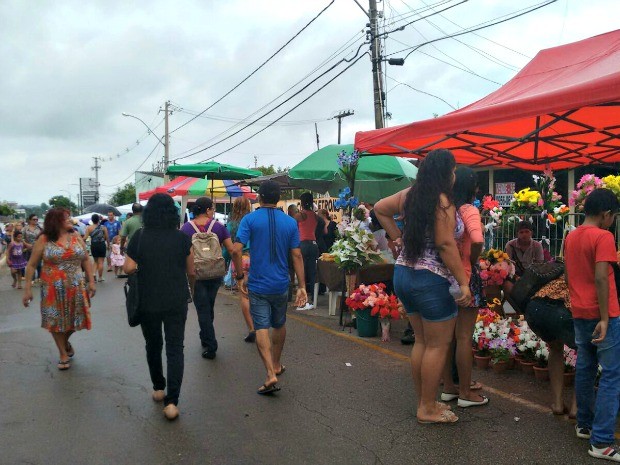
<point x="339" y="116"/>
<point x="166" y="142"/>
<point x="316" y="131"/>
<point x="255" y="162"/>
<point x="375" y="52"/>
<point x="96" y="170"/>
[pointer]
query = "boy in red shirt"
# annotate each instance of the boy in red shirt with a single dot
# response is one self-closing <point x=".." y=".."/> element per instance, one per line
<point x="590" y="251"/>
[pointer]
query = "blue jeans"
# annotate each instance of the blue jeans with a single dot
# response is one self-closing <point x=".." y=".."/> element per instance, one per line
<point x="424" y="292"/>
<point x="205" y="292"/>
<point x="268" y="310"/>
<point x="597" y="412"/>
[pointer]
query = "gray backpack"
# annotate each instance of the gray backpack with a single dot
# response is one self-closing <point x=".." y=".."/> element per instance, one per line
<point x="208" y="259"/>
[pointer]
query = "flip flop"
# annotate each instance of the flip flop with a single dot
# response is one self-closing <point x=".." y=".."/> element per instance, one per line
<point x="265" y="390"/>
<point x="447" y="416"/>
<point x="475" y="386"/>
<point x="70" y="351"/>
<point x="64" y="365"/>
<point x="282" y="370"/>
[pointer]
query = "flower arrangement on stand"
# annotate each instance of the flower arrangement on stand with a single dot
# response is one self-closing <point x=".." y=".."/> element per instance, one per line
<point x="525" y="201"/>
<point x="586" y="184"/>
<point x="379" y="303"/>
<point x="355" y="248"/>
<point x="496" y="267"/>
<point x="491" y="207"/>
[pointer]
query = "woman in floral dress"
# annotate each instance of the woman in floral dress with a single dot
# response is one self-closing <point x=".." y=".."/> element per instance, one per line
<point x="65" y="298"/>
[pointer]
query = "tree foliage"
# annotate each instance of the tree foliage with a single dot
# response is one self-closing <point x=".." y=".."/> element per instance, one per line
<point x="5" y="210"/>
<point x="60" y="201"/>
<point x="38" y="210"/>
<point x="123" y="195"/>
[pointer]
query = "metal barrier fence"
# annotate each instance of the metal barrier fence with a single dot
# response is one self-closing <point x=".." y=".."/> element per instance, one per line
<point x="550" y="235"/>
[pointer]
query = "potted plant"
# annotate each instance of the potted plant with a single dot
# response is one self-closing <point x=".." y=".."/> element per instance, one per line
<point x="370" y="302"/>
<point x="570" y="362"/>
<point x="541" y="371"/>
<point x="501" y="350"/>
<point x="528" y="343"/>
<point x="485" y="330"/>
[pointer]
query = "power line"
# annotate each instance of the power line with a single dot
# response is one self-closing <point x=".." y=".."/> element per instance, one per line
<point x="277" y="106"/>
<point x="291" y="110"/>
<point x="239" y="120"/>
<point x="481" y="52"/>
<point x="257" y="69"/>
<point x="338" y="51"/>
<point x="418" y="90"/>
<point x="483" y="25"/>
<point x="133" y="172"/>
<point x="466" y="70"/>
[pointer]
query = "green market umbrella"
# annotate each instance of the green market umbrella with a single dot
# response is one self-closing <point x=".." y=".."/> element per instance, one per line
<point x="377" y="176"/>
<point x="213" y="170"/>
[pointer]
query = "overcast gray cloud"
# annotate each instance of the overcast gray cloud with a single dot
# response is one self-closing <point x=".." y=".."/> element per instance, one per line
<point x="72" y="67"/>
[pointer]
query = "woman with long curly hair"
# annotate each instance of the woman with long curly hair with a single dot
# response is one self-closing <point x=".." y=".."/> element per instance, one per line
<point x="65" y="296"/>
<point x="428" y="273"/>
<point x="164" y="255"/>
<point x="241" y="207"/>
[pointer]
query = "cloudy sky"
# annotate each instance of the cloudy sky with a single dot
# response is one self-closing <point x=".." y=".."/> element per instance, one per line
<point x="72" y="67"/>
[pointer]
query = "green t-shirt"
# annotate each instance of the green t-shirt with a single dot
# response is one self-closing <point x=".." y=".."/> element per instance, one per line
<point x="130" y="227"/>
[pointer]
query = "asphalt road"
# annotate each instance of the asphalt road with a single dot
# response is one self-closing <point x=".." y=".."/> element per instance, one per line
<point x="100" y="411"/>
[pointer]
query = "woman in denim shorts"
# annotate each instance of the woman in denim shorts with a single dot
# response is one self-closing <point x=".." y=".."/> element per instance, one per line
<point x="428" y="273"/>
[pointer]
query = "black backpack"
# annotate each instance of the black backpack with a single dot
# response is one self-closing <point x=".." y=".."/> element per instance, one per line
<point x="534" y="277"/>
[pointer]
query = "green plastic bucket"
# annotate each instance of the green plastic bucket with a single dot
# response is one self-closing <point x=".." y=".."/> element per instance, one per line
<point x="367" y="325"/>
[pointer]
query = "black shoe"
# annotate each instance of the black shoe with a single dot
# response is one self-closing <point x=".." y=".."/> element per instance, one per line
<point x="251" y="337"/>
<point x="407" y="339"/>
<point x="208" y="354"/>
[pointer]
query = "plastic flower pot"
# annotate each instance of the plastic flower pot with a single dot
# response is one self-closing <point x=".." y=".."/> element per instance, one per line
<point x="511" y="363"/>
<point x="527" y="367"/>
<point x="541" y="373"/>
<point x="499" y="366"/>
<point x="367" y="325"/>
<point x="482" y="361"/>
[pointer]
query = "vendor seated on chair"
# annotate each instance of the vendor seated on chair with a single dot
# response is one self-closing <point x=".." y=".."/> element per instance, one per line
<point x="523" y="251"/>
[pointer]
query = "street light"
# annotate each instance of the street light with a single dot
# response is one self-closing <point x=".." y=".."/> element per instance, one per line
<point x="166" y="144"/>
<point x="146" y="125"/>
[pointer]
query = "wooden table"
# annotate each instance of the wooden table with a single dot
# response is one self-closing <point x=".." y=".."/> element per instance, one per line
<point x="329" y="274"/>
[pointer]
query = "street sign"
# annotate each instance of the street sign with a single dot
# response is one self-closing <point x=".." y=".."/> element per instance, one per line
<point x="88" y="192"/>
<point x="504" y="193"/>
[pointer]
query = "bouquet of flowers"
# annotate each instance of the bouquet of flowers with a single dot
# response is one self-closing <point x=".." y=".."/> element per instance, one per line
<point x="526" y="201"/>
<point x="545" y="183"/>
<point x="570" y="359"/>
<point x="355" y="248"/>
<point x="495" y="267"/>
<point x="374" y="297"/>
<point x="586" y="184"/>
<point x="345" y="199"/>
<point x="613" y="184"/>
<point x="491" y="207"/>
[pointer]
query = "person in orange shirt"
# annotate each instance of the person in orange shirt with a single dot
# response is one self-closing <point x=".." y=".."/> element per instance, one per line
<point x="590" y="252"/>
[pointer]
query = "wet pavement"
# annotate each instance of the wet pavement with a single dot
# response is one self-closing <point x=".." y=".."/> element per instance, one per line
<point x="344" y="399"/>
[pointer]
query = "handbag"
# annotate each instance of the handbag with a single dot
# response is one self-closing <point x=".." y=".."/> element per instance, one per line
<point x="132" y="293"/>
<point x="534" y="277"/>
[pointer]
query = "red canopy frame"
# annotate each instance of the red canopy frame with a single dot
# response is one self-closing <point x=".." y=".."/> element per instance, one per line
<point x="561" y="110"/>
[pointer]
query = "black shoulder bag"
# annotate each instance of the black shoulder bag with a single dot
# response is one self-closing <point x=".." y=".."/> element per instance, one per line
<point x="132" y="293"/>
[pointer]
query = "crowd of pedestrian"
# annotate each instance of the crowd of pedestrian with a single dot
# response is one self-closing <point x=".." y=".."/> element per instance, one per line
<point x="433" y="233"/>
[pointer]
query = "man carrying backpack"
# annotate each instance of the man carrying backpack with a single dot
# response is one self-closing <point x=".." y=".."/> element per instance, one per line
<point x="208" y="237"/>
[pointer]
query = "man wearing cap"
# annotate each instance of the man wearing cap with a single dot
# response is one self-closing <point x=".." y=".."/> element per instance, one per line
<point x="272" y="236"/>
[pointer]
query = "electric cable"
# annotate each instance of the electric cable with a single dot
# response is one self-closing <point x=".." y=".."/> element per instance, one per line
<point x="483" y="25"/>
<point x="257" y="69"/>
<point x="418" y="90"/>
<point x="338" y="51"/>
<point x="134" y="171"/>
<point x="289" y="111"/>
<point x="343" y="60"/>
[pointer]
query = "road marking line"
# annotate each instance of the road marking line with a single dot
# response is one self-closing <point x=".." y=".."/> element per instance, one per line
<point x="405" y="358"/>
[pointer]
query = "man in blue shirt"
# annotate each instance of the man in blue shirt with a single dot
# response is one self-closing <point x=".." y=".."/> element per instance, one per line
<point x="114" y="227"/>
<point x="272" y="235"/>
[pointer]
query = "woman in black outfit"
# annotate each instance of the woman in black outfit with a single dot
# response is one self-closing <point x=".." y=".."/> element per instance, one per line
<point x="165" y="260"/>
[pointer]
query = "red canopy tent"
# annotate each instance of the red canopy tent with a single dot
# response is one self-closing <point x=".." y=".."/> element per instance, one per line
<point x="562" y="110"/>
